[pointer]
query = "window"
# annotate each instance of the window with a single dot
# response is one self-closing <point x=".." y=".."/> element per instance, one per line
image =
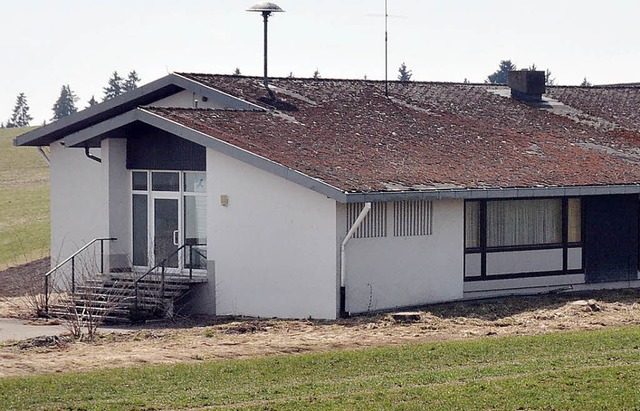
<point x="374" y="224"/>
<point x="574" y="220"/>
<point x="412" y="218"/>
<point x="472" y="224"/>
<point x="524" y="222"/>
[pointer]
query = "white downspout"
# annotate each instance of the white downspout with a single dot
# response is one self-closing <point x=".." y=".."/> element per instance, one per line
<point x="343" y="268"/>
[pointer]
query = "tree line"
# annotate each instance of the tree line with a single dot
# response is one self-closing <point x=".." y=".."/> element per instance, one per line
<point x="66" y="102"/>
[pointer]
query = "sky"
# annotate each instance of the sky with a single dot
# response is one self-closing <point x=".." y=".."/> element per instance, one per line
<point x="45" y="44"/>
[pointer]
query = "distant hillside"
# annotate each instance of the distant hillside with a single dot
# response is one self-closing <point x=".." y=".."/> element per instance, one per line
<point x="24" y="202"/>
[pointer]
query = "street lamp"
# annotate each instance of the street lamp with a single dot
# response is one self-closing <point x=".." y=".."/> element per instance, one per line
<point x="266" y="8"/>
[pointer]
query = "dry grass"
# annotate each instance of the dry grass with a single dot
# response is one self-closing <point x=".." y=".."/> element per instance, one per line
<point x="210" y="338"/>
<point x="24" y="201"/>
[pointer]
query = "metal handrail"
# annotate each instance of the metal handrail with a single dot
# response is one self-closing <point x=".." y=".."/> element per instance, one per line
<point x="162" y="264"/>
<point x="73" y="267"/>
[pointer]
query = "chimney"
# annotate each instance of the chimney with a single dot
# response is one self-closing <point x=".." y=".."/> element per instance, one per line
<point x="526" y="85"/>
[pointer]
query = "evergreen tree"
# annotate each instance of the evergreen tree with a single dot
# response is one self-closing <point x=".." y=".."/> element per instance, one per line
<point x="20" y="116"/>
<point x="114" y="87"/>
<point x="92" y="102"/>
<point x="236" y="72"/>
<point x="131" y="83"/>
<point x="66" y="103"/>
<point x="404" y="74"/>
<point x="316" y="74"/>
<point x="500" y="75"/>
<point x="585" y="83"/>
<point x="291" y="75"/>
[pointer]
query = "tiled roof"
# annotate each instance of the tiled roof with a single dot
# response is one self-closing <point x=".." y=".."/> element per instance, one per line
<point x="426" y="135"/>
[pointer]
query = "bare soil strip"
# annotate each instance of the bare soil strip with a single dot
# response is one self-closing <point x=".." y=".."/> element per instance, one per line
<point x="210" y="338"/>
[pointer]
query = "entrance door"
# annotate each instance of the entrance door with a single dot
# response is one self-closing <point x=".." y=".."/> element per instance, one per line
<point x="611" y="238"/>
<point x="169" y="211"/>
<point x="166" y="231"/>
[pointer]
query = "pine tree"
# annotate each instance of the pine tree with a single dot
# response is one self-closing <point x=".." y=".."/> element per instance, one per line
<point x="20" y="116"/>
<point x="500" y="75"/>
<point x="585" y="83"/>
<point x="131" y="83"/>
<point x="236" y="72"/>
<point x="404" y="75"/>
<point x="66" y="103"/>
<point x="316" y="74"/>
<point x="92" y="102"/>
<point x="114" y="87"/>
<point x="290" y="74"/>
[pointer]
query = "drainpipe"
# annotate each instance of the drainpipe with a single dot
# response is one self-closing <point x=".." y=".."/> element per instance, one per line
<point x="343" y="268"/>
<point x="91" y="156"/>
<point x="44" y="155"/>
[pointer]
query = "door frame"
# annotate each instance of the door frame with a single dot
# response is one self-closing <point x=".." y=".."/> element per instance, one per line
<point x="152" y="196"/>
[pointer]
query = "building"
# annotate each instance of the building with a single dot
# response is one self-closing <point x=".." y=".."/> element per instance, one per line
<point x="334" y="198"/>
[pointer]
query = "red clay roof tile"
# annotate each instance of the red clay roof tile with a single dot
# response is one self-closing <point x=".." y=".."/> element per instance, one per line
<point x="425" y="135"/>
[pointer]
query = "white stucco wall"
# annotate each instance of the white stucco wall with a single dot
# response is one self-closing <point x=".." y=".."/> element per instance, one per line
<point x="273" y="246"/>
<point x="77" y="201"/>
<point x="186" y="99"/>
<point x="393" y="271"/>
<point x="117" y="189"/>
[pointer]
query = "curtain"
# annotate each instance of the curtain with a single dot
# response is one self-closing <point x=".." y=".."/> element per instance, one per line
<point x="472" y="224"/>
<point x="524" y="222"/>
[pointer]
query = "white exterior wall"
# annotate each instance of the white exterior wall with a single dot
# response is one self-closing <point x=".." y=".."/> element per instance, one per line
<point x="186" y="99"/>
<point x="391" y="272"/>
<point x="77" y="201"/>
<point x="117" y="190"/>
<point x="273" y="246"/>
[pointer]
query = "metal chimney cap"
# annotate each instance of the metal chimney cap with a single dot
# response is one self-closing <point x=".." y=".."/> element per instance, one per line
<point x="266" y="7"/>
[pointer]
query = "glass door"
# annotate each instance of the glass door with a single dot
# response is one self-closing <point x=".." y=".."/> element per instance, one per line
<point x="169" y="211"/>
<point x="166" y="231"/>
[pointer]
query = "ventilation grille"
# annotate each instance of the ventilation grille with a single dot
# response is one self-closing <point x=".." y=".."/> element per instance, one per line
<point x="374" y="224"/>
<point x="412" y="218"/>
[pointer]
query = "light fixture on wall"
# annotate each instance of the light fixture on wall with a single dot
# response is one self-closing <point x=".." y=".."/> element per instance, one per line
<point x="266" y="8"/>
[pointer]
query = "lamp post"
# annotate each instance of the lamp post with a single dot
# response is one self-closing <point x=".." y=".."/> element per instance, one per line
<point x="266" y="8"/>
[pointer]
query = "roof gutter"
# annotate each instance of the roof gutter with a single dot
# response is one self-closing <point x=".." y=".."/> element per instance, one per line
<point x="489" y="193"/>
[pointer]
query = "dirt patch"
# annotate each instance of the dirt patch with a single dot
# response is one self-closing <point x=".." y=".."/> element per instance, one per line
<point x="210" y="338"/>
<point x="17" y="281"/>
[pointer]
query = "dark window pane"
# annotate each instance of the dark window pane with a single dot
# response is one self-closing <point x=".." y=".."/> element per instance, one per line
<point x="139" y="180"/>
<point x="140" y="237"/>
<point x="165" y="181"/>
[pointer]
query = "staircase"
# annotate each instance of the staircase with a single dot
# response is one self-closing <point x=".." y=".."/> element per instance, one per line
<point x="116" y="298"/>
<point x="120" y="297"/>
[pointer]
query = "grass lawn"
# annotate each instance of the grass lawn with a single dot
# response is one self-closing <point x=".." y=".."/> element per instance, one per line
<point x="593" y="370"/>
<point x="24" y="201"/>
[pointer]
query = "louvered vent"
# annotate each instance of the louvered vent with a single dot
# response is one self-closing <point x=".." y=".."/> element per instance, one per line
<point x="412" y="218"/>
<point x="374" y="224"/>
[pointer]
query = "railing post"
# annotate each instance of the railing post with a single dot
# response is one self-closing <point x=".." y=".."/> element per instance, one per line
<point x="190" y="262"/>
<point x="162" y="282"/>
<point x="73" y="274"/>
<point x="136" y="302"/>
<point x="101" y="256"/>
<point x="46" y="294"/>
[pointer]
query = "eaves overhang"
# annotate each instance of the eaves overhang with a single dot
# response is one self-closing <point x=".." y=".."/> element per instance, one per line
<point x="492" y="193"/>
<point x="146" y="94"/>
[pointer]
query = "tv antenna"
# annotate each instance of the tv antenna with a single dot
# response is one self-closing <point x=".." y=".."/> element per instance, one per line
<point x="386" y="44"/>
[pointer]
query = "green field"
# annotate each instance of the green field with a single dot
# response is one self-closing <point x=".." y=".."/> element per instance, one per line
<point x="593" y="370"/>
<point x="24" y="202"/>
